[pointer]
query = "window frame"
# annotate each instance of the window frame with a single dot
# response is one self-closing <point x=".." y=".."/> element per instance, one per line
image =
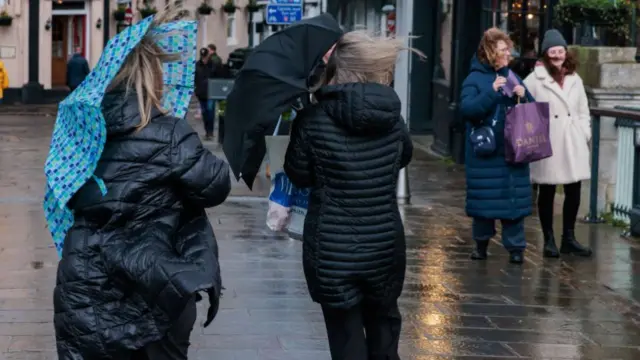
<point x="231" y="26"/>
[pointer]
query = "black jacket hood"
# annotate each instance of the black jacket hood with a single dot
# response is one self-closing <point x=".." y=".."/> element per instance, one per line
<point x="363" y="108"/>
<point x="122" y="113"/>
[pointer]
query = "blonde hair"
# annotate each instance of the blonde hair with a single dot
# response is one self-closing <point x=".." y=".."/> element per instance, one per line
<point x="360" y="57"/>
<point x="142" y="70"/>
<point x="488" y="48"/>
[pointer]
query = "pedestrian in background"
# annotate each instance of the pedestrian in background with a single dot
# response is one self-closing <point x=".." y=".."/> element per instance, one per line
<point x="77" y="69"/>
<point x="496" y="190"/>
<point x="4" y="80"/>
<point x="348" y="149"/>
<point x="205" y="70"/>
<point x="213" y="50"/>
<point x="555" y="81"/>
<point x="140" y="246"/>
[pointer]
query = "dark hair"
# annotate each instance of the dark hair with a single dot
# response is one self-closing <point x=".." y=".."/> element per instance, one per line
<point x="570" y="64"/>
<point x="204" y="52"/>
<point x="212" y="47"/>
<point x="487" y="49"/>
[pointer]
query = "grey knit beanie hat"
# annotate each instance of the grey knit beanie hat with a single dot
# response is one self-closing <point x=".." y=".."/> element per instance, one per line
<point x="552" y="38"/>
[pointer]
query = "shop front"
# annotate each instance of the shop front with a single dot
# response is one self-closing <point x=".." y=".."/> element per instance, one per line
<point x="43" y="34"/>
<point x="457" y="33"/>
<point x="37" y="44"/>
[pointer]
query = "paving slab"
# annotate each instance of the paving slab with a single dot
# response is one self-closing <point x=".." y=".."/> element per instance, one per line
<point x="453" y="308"/>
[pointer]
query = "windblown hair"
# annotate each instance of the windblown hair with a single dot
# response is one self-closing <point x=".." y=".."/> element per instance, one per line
<point x="488" y="49"/>
<point x="568" y="67"/>
<point x="359" y="57"/>
<point x="142" y="72"/>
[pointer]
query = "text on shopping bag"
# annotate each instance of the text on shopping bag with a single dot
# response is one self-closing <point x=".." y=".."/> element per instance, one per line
<point x="299" y="205"/>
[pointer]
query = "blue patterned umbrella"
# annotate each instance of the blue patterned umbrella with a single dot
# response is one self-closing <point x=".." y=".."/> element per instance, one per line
<point x="80" y="130"/>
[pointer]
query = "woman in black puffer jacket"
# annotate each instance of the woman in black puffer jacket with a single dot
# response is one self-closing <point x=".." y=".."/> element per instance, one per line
<point x="135" y="258"/>
<point x="349" y="148"/>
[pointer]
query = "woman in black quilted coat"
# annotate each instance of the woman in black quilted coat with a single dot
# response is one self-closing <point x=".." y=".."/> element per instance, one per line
<point x="135" y="258"/>
<point x="348" y="148"/>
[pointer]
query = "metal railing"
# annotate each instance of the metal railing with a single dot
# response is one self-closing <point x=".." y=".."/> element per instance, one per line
<point x="626" y="175"/>
<point x="627" y="191"/>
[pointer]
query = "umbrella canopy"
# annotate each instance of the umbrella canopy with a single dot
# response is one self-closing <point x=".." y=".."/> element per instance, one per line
<point x="273" y="77"/>
<point x="80" y="131"/>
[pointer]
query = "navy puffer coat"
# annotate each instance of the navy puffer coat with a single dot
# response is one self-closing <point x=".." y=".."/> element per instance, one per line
<point x="136" y="256"/>
<point x="495" y="189"/>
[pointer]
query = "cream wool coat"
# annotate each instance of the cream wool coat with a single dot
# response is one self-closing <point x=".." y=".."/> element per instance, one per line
<point x="570" y="128"/>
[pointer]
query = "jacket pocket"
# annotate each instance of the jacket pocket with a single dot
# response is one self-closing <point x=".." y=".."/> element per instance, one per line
<point x="577" y="128"/>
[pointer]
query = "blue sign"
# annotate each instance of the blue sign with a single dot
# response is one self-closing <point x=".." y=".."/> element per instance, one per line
<point x="286" y="2"/>
<point x="283" y="14"/>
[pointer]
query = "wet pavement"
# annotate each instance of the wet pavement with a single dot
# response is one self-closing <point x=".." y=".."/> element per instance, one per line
<point x="453" y="307"/>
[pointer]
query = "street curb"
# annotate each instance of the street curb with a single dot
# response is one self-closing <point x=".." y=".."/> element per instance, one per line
<point x="51" y="112"/>
<point x="427" y="149"/>
<point x="42" y="114"/>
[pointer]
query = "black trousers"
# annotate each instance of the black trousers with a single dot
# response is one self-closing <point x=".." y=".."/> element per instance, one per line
<point x="546" y="195"/>
<point x="208" y="112"/>
<point x="175" y="345"/>
<point x="365" y="332"/>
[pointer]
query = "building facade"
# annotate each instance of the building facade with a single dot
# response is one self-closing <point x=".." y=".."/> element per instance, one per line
<point x="375" y="16"/>
<point x="452" y="40"/>
<point x="43" y="34"/>
<point x="448" y="33"/>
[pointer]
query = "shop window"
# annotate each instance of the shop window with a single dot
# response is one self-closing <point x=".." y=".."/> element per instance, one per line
<point x="524" y="21"/>
<point x="58" y="41"/>
<point x="68" y="5"/>
<point x="445" y="41"/>
<point x="638" y="46"/>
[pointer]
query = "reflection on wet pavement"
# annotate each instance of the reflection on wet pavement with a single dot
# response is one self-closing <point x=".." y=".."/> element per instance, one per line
<point x="453" y="307"/>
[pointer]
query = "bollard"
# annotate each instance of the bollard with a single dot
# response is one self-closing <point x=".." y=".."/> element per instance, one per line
<point x="595" y="169"/>
<point x="220" y="129"/>
<point x="403" y="193"/>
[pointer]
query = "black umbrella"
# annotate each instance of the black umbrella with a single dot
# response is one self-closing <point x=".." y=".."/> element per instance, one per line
<point x="273" y="77"/>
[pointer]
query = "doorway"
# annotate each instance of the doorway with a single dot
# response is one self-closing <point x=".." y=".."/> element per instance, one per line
<point x="68" y="33"/>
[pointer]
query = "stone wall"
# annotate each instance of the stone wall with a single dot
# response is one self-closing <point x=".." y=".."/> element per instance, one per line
<point x="612" y="78"/>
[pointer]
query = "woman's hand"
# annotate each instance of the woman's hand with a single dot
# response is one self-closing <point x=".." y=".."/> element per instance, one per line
<point x="519" y="90"/>
<point x="499" y="82"/>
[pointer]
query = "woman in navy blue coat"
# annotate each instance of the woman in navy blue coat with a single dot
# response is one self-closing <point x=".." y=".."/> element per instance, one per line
<point x="495" y="189"/>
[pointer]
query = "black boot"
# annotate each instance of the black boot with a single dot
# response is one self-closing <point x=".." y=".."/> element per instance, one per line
<point x="516" y="257"/>
<point x="550" y="248"/>
<point x="571" y="246"/>
<point x="480" y="252"/>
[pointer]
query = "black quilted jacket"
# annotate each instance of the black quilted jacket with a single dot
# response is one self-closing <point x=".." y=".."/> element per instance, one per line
<point x="137" y="255"/>
<point x="349" y="150"/>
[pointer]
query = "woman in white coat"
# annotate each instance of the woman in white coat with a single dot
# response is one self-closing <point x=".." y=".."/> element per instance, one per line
<point x="555" y="81"/>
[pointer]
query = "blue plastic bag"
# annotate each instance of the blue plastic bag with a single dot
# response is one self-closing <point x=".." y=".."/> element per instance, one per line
<point x="287" y="204"/>
<point x="281" y="189"/>
<point x="279" y="202"/>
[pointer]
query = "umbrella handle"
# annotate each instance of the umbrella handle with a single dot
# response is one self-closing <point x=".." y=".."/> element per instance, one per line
<point x="294" y="114"/>
<point x="275" y="132"/>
